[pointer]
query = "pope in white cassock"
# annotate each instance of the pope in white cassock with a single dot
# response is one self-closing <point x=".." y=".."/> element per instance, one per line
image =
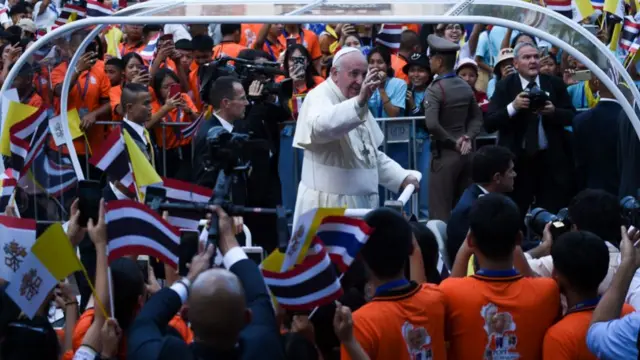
<point x="342" y="165"/>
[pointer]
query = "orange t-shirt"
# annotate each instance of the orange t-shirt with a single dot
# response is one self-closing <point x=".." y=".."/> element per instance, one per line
<point x="308" y="39"/>
<point x="402" y="324"/>
<point x="274" y="49"/>
<point x="115" y="95"/>
<point x="492" y="317"/>
<point x="92" y="87"/>
<point x="42" y="86"/>
<point x="398" y="63"/>
<point x="567" y="338"/>
<point x="249" y="34"/>
<point x="35" y="100"/>
<point x="86" y="319"/>
<point x="172" y="133"/>
<point x="127" y="48"/>
<point x="227" y="48"/>
<point x="194" y="89"/>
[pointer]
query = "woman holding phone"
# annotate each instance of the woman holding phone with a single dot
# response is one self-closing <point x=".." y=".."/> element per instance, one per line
<point x="134" y="72"/>
<point x="171" y="105"/>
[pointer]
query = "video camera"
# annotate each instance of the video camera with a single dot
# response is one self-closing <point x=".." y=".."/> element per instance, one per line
<point x="224" y="159"/>
<point x="537" y="98"/>
<point x="539" y="217"/>
<point x="246" y="71"/>
<point x="630" y="211"/>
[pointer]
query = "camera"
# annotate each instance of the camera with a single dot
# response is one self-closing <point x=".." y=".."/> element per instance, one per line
<point x="225" y="149"/>
<point x="246" y="71"/>
<point x="539" y="217"/>
<point x="630" y="211"/>
<point x="537" y="98"/>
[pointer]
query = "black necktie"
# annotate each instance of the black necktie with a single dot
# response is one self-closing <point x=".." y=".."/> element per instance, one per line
<point x="531" y="145"/>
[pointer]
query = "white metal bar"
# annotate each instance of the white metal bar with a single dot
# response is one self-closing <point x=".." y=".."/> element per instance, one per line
<point x="298" y="19"/>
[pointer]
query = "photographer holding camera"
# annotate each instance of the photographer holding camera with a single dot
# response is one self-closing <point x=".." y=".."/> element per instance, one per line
<point x="530" y="110"/>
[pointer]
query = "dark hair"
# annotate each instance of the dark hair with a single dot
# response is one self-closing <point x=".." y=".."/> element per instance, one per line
<point x="128" y="285"/>
<point x="386" y="251"/>
<point x="230" y="29"/>
<point x="448" y="59"/>
<point x="494" y="222"/>
<point x="15" y="30"/>
<point x="386" y="57"/>
<point x="202" y="43"/>
<point x="150" y="28"/>
<point x="129" y="92"/>
<point x="19" y="8"/>
<point x="309" y="72"/>
<point x="597" y="211"/>
<point x="488" y="161"/>
<point x="297" y="346"/>
<point x="128" y="57"/>
<point x="514" y="41"/>
<point x="221" y="89"/>
<point x="183" y="44"/>
<point x="158" y="78"/>
<point x="409" y="39"/>
<point x="582" y="257"/>
<point x="30" y="339"/>
<point x="429" y="249"/>
<point x="116" y="62"/>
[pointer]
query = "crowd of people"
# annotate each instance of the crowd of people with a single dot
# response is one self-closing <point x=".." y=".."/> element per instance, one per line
<point x="487" y="287"/>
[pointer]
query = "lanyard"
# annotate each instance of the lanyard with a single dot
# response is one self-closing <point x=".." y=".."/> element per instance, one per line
<point x="27" y="97"/>
<point x="589" y="303"/>
<point x="391" y="285"/>
<point x="268" y="43"/>
<point x="497" y="273"/>
<point x="176" y="129"/>
<point x="83" y="92"/>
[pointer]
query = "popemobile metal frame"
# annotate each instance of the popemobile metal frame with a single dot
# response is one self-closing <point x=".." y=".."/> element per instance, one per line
<point x="516" y="14"/>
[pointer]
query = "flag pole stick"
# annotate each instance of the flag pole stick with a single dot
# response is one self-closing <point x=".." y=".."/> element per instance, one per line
<point x="97" y="300"/>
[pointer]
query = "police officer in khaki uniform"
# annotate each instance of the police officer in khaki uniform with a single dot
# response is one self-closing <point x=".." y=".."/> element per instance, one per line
<point x="453" y="119"/>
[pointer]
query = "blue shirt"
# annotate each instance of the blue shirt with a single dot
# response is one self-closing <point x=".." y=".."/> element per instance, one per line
<point x="615" y="339"/>
<point x="396" y="90"/>
<point x="578" y="95"/>
<point x="491" y="87"/>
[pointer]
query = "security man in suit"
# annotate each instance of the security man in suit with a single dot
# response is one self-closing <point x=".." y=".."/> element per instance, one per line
<point x="453" y="119"/>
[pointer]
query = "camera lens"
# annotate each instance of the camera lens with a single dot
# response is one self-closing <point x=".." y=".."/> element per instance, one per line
<point x="538" y="219"/>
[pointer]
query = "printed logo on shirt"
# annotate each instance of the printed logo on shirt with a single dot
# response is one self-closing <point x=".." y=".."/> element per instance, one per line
<point x="418" y="342"/>
<point x="93" y="80"/>
<point x="251" y="37"/>
<point x="501" y="334"/>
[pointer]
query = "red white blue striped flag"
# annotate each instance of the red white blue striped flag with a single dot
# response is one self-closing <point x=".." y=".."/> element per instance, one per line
<point x="343" y="237"/>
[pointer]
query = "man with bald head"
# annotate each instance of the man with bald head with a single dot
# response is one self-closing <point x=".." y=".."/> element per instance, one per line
<point x="342" y="165"/>
<point x="230" y="310"/>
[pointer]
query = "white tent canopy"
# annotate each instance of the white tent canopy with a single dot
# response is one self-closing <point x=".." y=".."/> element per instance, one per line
<point x="517" y="14"/>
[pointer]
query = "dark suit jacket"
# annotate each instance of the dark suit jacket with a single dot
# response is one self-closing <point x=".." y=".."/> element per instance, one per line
<point x="458" y="225"/>
<point x="628" y="152"/>
<point x="595" y="144"/>
<point x="141" y="142"/>
<point x="512" y="130"/>
<point x="259" y="340"/>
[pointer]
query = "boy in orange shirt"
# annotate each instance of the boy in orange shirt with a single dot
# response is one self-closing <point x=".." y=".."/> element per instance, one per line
<point x="497" y="313"/>
<point x="202" y="54"/>
<point x="404" y="320"/>
<point x="230" y="44"/>
<point x="580" y="263"/>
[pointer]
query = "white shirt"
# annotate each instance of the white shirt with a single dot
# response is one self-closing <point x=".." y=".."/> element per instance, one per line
<point x="225" y="124"/>
<point x="139" y="129"/>
<point x="542" y="136"/>
<point x="178" y="31"/>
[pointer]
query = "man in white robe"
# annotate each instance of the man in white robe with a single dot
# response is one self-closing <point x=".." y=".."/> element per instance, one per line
<point x="342" y="165"/>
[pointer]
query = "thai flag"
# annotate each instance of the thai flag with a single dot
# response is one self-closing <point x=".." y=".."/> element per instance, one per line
<point x="311" y="283"/>
<point x="53" y="176"/>
<point x="96" y="8"/>
<point x="69" y="13"/>
<point x="112" y="158"/>
<point x="389" y="36"/>
<point x="135" y="229"/>
<point x="597" y="4"/>
<point x="26" y="138"/>
<point x="7" y="186"/>
<point x="343" y="237"/>
<point x="561" y="6"/>
<point x="630" y="31"/>
<point x="149" y="51"/>
<point x="189" y="131"/>
<point x="186" y="193"/>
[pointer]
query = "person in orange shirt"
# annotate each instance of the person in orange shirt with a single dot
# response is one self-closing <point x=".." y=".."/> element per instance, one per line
<point x="496" y="313"/>
<point x="580" y="262"/>
<point x="171" y="107"/>
<point x="24" y="86"/>
<point x="268" y="40"/>
<point x="409" y="44"/>
<point x="295" y="34"/>
<point x="202" y="54"/>
<point x="168" y="57"/>
<point x="249" y="34"/>
<point x="185" y="49"/>
<point x="134" y="72"/>
<point x="230" y="44"/>
<point x="133" y="39"/>
<point x="404" y="320"/>
<point x="114" y="68"/>
<point x="88" y="94"/>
